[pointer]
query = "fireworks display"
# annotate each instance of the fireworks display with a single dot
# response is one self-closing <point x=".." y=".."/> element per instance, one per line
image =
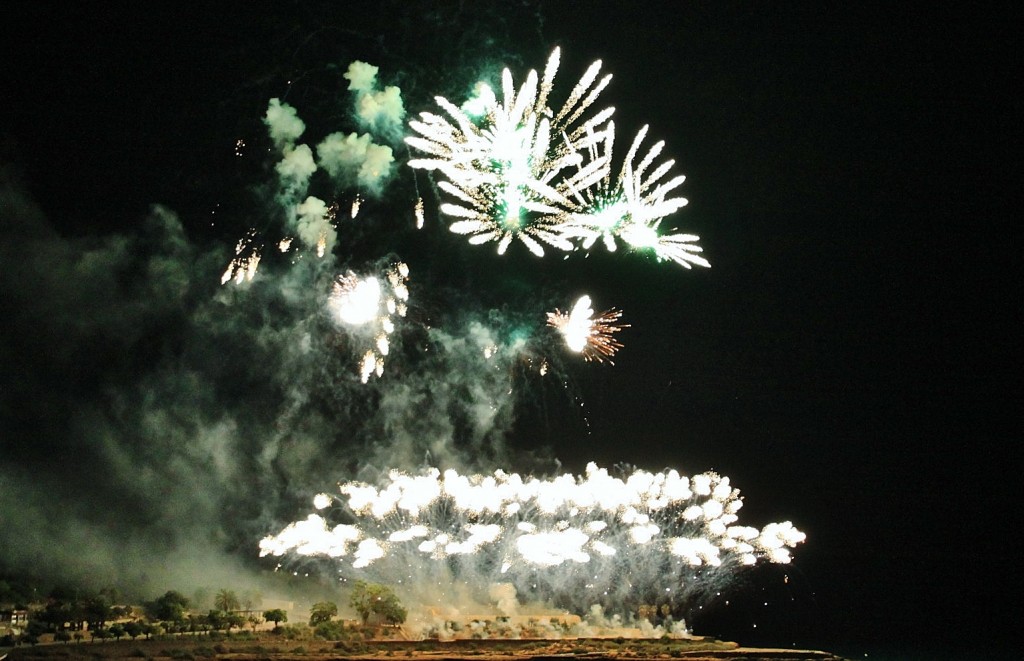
<point x="517" y="169"/>
<point x="586" y="334"/>
<point x="369" y="305"/>
<point x="570" y="541"/>
<point x="511" y="167"/>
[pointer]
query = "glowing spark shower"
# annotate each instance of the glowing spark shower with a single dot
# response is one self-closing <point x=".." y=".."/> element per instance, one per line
<point x="586" y="334"/>
<point x="573" y="541"/>
<point x="367" y="306"/>
<point x="246" y="261"/>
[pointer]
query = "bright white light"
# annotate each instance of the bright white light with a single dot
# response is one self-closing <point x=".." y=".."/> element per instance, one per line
<point x="557" y="533"/>
<point x="360" y="304"/>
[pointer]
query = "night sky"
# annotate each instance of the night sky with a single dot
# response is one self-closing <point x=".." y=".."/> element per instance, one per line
<point x="847" y="360"/>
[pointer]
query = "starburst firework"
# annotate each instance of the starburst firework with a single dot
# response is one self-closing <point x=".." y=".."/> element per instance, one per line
<point x="511" y="171"/>
<point x="592" y="336"/>
<point x="518" y="170"/>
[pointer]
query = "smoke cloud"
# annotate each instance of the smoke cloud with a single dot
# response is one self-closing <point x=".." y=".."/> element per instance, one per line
<point x="283" y="122"/>
<point x="156" y="425"/>
<point x="378" y="110"/>
<point x="313" y="226"/>
<point x="354" y="160"/>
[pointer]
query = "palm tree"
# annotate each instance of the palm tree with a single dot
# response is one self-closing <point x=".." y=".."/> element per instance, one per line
<point x="226" y="601"/>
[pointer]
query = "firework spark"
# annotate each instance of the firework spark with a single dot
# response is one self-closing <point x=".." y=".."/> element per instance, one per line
<point x="246" y="261"/>
<point x="574" y="541"/>
<point x="592" y="336"/>
<point x="368" y="306"/>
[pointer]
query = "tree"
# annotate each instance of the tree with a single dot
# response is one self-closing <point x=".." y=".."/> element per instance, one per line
<point x="275" y="615"/>
<point x="226" y="601"/>
<point x="391" y="610"/>
<point x="322" y="611"/>
<point x="232" y="620"/>
<point x="63" y="636"/>
<point x="217" y="620"/>
<point x="171" y="607"/>
<point x="375" y="599"/>
<point x="330" y="630"/>
<point x="134" y="629"/>
<point x="117" y="631"/>
<point x="97" y="611"/>
<point x="101" y="634"/>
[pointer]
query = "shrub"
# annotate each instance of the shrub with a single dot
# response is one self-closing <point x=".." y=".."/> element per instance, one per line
<point x="332" y="630"/>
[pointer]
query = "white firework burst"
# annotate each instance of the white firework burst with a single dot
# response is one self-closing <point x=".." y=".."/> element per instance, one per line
<point x="573" y="541"/>
<point x="587" y="334"/>
<point x="512" y="171"/>
<point x="516" y="169"/>
<point x="633" y="207"/>
<point x="367" y="306"/>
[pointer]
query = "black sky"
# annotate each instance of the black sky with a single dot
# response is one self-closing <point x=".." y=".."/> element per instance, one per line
<point x="853" y="175"/>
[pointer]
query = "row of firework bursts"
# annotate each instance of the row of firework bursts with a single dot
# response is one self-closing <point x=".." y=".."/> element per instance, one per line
<point x="571" y="534"/>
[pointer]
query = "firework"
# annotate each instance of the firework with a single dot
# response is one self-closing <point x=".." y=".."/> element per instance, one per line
<point x="243" y="266"/>
<point x="633" y="207"/>
<point x="368" y="306"/>
<point x="517" y="169"/>
<point x="572" y="541"/>
<point x="511" y="171"/>
<point x="589" y="335"/>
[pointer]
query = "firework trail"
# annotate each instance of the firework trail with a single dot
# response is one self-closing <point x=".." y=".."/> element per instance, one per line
<point x="570" y="541"/>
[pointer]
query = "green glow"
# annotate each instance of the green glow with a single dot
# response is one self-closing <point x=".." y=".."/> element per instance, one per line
<point x="477" y="104"/>
<point x="607" y="218"/>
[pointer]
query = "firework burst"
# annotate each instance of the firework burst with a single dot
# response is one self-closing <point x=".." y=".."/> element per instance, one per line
<point x="572" y="541"/>
<point x="517" y="169"/>
<point x="368" y="305"/>
<point x="511" y="167"/>
<point x="587" y="334"/>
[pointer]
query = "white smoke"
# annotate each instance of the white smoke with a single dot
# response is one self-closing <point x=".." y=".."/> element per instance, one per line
<point x="295" y="169"/>
<point x="355" y="160"/>
<point x="378" y="110"/>
<point x="284" y="123"/>
<point x="313" y="225"/>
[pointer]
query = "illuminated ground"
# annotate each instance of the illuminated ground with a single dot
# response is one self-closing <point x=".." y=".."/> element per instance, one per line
<point x="274" y="647"/>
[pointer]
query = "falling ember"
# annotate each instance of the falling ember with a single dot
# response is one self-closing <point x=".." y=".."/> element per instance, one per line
<point x="243" y="266"/>
<point x="585" y="333"/>
<point x="356" y="203"/>
<point x="419" y="213"/>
